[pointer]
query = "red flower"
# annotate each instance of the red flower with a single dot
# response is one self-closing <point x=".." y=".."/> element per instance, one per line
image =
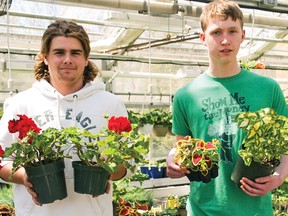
<point x="119" y="124"/>
<point x="13" y="126"/>
<point x="23" y="125"/>
<point x="259" y="65"/>
<point x="1" y="154"/>
<point x="1" y="151"/>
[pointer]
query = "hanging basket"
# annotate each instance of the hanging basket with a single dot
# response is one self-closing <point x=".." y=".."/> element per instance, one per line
<point x="145" y="129"/>
<point x="48" y="181"/>
<point x="160" y="130"/>
<point x="255" y="170"/>
<point x="89" y="179"/>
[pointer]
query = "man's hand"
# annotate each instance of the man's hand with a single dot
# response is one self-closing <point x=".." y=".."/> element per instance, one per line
<point x="262" y="185"/>
<point x="173" y="170"/>
<point x="108" y="187"/>
<point x="30" y="190"/>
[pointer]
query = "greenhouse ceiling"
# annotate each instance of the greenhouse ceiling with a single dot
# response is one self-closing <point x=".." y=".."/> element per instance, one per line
<point x="149" y="31"/>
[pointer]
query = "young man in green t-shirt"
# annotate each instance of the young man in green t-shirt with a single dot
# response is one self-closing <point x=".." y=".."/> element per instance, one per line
<point x="205" y="109"/>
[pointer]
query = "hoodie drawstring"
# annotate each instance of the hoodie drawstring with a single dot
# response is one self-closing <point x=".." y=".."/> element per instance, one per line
<point x="74" y="110"/>
<point x="58" y="110"/>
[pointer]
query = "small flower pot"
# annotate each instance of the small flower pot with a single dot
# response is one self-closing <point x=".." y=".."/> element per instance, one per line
<point x="199" y="177"/>
<point x="89" y="179"/>
<point x="182" y="212"/>
<point x="48" y="181"/>
<point x="160" y="130"/>
<point x="171" y="203"/>
<point x="255" y="170"/>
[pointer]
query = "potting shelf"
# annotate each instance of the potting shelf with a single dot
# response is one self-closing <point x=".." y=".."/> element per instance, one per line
<point x="164" y="186"/>
<point x="162" y="182"/>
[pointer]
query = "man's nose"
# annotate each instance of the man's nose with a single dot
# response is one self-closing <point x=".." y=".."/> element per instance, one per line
<point x="67" y="59"/>
<point x="225" y="39"/>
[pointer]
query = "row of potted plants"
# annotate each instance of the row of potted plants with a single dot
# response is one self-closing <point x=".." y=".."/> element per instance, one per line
<point x="101" y="153"/>
<point x="158" y="121"/>
<point x="154" y="169"/>
<point x="135" y="200"/>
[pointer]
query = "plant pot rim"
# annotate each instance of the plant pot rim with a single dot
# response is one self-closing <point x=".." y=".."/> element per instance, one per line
<point x="47" y="168"/>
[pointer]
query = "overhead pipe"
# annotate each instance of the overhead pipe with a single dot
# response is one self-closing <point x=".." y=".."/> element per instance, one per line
<point x="156" y="7"/>
<point x="195" y="11"/>
<point x="280" y="7"/>
<point x="141" y="6"/>
<point x="160" y="7"/>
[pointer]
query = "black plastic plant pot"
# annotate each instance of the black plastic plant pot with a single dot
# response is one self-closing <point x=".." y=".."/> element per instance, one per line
<point x="89" y="179"/>
<point x="214" y="171"/>
<point x="199" y="177"/>
<point x="194" y="176"/>
<point x="255" y="170"/>
<point x="48" y="181"/>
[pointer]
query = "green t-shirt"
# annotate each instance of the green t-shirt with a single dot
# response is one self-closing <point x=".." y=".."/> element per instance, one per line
<point x="205" y="109"/>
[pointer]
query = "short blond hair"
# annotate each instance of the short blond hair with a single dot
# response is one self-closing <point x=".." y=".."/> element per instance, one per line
<point x="223" y="9"/>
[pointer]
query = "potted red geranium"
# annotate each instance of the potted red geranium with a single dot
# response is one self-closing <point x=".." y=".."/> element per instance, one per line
<point x="102" y="153"/>
<point x="40" y="154"/>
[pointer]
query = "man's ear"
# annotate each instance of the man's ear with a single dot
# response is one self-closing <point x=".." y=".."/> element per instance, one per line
<point x="202" y="38"/>
<point x="243" y="35"/>
<point x="45" y="60"/>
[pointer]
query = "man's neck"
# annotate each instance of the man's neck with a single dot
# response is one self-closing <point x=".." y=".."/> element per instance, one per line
<point x="222" y="71"/>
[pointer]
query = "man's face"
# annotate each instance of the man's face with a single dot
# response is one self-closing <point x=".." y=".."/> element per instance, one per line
<point x="223" y="39"/>
<point x="66" y="62"/>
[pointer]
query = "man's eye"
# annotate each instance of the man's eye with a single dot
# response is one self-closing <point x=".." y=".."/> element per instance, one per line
<point x="217" y="33"/>
<point x="75" y="53"/>
<point x="59" y="53"/>
<point x="233" y="31"/>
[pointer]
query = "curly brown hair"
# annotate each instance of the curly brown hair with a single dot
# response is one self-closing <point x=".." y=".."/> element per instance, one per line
<point x="66" y="29"/>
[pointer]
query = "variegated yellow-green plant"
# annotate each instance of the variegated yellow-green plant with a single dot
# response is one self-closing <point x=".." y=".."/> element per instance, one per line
<point x="266" y="136"/>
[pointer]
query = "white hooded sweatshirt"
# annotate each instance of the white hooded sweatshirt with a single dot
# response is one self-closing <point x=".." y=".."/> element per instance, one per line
<point x="48" y="108"/>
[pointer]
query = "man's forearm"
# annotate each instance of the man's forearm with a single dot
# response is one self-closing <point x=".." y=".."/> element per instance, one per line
<point x="6" y="174"/>
<point x="282" y="169"/>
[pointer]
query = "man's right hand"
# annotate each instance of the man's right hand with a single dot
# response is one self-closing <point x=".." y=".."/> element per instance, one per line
<point x="173" y="170"/>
